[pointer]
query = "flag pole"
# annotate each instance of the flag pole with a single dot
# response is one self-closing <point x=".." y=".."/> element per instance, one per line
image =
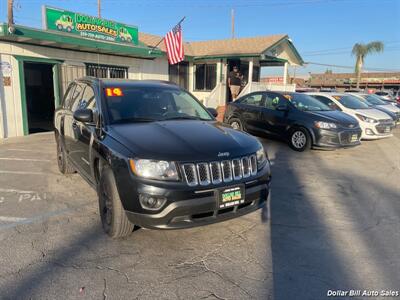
<point x="154" y="47"/>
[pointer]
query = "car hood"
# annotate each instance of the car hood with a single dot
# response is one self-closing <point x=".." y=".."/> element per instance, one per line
<point x="184" y="140"/>
<point x="373" y="113"/>
<point x="336" y="117"/>
<point x="390" y="107"/>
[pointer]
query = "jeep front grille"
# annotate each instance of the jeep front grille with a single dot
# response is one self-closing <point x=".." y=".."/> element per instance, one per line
<point x="216" y="172"/>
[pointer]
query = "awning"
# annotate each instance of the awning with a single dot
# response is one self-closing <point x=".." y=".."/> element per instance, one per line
<point x="47" y="38"/>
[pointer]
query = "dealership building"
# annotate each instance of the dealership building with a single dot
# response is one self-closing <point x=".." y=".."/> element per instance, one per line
<point x="38" y="64"/>
<point x="343" y="81"/>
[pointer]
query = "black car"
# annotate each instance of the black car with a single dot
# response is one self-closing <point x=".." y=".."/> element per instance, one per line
<point x="156" y="156"/>
<point x="300" y="119"/>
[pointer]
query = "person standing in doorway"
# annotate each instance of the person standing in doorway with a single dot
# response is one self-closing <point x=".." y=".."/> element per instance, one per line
<point x="235" y="82"/>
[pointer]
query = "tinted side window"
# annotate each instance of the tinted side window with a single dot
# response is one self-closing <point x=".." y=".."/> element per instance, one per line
<point x="76" y="97"/>
<point x="254" y="99"/>
<point x="68" y="95"/>
<point x="88" y="100"/>
<point x="273" y="100"/>
<point x="328" y="102"/>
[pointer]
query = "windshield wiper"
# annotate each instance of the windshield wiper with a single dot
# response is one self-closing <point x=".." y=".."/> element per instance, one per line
<point x="184" y="118"/>
<point x="134" y="120"/>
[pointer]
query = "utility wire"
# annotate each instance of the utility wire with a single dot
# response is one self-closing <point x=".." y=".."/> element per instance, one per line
<point x="344" y="48"/>
<point x="349" y="67"/>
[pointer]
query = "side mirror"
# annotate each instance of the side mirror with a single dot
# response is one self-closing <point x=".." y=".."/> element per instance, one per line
<point x="282" y="108"/>
<point x="84" y="115"/>
<point x="212" y="111"/>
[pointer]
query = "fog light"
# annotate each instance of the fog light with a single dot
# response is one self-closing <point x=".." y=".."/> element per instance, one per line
<point x="369" y="131"/>
<point x="151" y="202"/>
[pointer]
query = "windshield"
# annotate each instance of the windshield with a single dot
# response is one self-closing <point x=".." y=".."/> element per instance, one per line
<point x="351" y="102"/>
<point x="146" y="104"/>
<point x="306" y="103"/>
<point x="374" y="100"/>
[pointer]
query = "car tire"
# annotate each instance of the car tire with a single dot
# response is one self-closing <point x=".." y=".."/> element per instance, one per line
<point x="236" y="124"/>
<point x="300" y="139"/>
<point x="64" y="166"/>
<point x="113" y="217"/>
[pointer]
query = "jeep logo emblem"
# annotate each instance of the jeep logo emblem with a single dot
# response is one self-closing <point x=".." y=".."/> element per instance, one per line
<point x="223" y="154"/>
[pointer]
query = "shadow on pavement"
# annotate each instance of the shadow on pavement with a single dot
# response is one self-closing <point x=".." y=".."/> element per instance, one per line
<point x="35" y="276"/>
<point x="324" y="233"/>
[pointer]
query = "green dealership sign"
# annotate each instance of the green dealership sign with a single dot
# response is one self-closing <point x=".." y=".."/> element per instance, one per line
<point x="88" y="26"/>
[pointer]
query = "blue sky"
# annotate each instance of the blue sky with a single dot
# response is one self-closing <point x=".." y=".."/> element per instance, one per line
<point x="323" y="31"/>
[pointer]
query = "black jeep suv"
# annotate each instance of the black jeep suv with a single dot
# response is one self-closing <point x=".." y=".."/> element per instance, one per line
<point x="157" y="156"/>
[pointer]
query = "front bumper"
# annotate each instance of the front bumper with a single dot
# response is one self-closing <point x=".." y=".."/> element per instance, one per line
<point x="378" y="131"/>
<point x="201" y="211"/>
<point x="340" y="138"/>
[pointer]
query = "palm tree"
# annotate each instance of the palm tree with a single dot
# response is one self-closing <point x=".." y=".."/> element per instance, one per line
<point x="360" y="51"/>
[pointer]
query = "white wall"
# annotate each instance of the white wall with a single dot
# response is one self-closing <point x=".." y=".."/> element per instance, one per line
<point x="153" y="69"/>
<point x="10" y="98"/>
<point x="10" y="122"/>
<point x="202" y="95"/>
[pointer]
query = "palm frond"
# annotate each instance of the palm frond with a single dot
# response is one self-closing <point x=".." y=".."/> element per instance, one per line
<point x="359" y="49"/>
<point x="375" y="46"/>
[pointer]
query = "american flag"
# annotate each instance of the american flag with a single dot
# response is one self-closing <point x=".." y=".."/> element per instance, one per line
<point x="173" y="43"/>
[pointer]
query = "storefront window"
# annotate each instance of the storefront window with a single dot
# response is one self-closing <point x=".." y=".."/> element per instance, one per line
<point x="104" y="71"/>
<point x="179" y="74"/>
<point x="205" y="76"/>
<point x="256" y="74"/>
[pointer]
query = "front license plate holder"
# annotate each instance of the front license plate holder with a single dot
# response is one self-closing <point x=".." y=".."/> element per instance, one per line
<point x="230" y="196"/>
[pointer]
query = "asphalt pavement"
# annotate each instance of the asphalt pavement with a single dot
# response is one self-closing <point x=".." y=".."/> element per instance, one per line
<point x="333" y="224"/>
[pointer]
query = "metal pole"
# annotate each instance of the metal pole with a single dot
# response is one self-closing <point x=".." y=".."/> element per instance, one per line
<point x="10" y="6"/>
<point x="99" y="8"/>
<point x="233" y="23"/>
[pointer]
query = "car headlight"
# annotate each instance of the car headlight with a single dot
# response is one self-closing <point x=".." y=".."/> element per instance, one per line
<point x="261" y="158"/>
<point x="366" y="119"/>
<point x="154" y="169"/>
<point x="325" y="125"/>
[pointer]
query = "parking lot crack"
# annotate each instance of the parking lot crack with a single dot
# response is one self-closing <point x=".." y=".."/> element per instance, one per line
<point x="212" y="294"/>
<point x="104" y="290"/>
<point x="216" y="249"/>
<point x="98" y="267"/>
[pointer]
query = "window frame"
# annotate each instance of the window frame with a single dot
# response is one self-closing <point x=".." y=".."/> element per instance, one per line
<point x="262" y="101"/>
<point x="67" y="96"/>
<point x="273" y="95"/>
<point x="107" y="68"/>
<point x="77" y="99"/>
<point x="94" y="108"/>
<point x="205" y="77"/>
<point x="182" y="68"/>
<point x="326" y="98"/>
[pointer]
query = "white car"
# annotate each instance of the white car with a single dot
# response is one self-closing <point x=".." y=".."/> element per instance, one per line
<point x="376" y="102"/>
<point x="385" y="95"/>
<point x="374" y="123"/>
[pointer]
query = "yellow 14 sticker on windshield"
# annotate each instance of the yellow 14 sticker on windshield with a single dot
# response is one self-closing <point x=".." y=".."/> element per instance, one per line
<point x="337" y="97"/>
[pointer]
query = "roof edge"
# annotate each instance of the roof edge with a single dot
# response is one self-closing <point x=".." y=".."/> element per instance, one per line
<point x="21" y="31"/>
